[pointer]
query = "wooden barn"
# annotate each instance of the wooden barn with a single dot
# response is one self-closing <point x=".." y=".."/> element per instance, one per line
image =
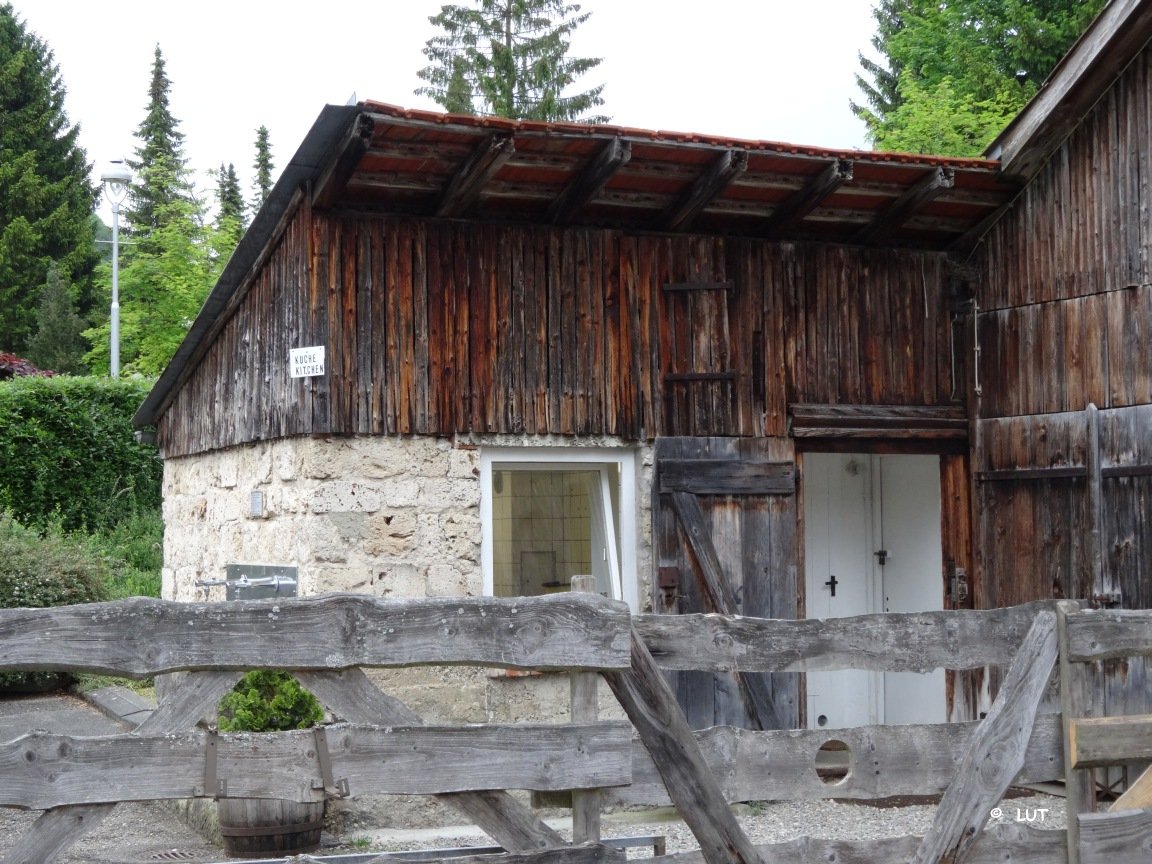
<point x="458" y="356"/>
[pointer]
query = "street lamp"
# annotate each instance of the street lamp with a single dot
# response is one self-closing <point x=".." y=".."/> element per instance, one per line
<point x="116" y="181"/>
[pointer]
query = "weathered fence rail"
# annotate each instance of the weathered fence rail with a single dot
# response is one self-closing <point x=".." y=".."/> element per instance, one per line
<point x="384" y="746"/>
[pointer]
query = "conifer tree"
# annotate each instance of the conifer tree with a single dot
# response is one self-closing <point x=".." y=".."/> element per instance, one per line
<point x="509" y="58"/>
<point x="160" y="168"/>
<point x="46" y="199"/>
<point x="58" y="344"/>
<point x="262" y="185"/>
<point x="230" y="221"/>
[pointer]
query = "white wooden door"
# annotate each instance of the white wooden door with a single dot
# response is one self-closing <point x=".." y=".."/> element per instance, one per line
<point x="857" y="506"/>
<point x="840" y="580"/>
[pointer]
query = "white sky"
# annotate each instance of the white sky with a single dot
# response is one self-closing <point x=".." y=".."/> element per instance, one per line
<point x="780" y="70"/>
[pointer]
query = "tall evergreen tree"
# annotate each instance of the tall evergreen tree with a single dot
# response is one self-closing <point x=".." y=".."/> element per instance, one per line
<point x="169" y="270"/>
<point x="230" y="221"/>
<point x="509" y="58"/>
<point x="956" y="72"/>
<point x="262" y="185"/>
<point x="161" y="172"/>
<point x="58" y="344"/>
<point x="46" y="198"/>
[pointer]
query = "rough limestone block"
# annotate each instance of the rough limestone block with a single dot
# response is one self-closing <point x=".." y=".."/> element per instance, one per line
<point x="345" y="497"/>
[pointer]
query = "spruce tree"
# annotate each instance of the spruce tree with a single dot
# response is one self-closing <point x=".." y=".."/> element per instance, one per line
<point x="46" y="199"/>
<point x="230" y="221"/>
<point x="262" y="185"/>
<point x="509" y="58"/>
<point x="58" y="343"/>
<point x="161" y="172"/>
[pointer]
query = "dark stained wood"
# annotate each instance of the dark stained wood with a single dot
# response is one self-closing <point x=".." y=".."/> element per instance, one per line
<point x="588" y="183"/>
<point x="467" y="184"/>
<point x="444" y="327"/>
<point x="712" y="477"/>
<point x="330" y="187"/>
<point x="726" y="168"/>
<point x="808" y="197"/>
<point x="905" y="206"/>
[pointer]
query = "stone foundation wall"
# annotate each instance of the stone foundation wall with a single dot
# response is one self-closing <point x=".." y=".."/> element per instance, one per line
<point x="391" y="517"/>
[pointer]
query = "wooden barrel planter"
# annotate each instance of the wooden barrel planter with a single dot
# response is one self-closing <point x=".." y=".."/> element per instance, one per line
<point x="269" y="827"/>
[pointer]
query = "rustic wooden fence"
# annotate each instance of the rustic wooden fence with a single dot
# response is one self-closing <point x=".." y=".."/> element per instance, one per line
<point x="385" y="748"/>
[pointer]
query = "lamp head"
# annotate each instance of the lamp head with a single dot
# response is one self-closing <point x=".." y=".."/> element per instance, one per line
<point x="116" y="180"/>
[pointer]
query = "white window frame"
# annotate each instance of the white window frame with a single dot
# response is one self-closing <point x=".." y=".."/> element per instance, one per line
<point x="570" y="459"/>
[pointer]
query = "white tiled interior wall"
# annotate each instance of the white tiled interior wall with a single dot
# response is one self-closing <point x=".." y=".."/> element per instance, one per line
<point x="542" y="530"/>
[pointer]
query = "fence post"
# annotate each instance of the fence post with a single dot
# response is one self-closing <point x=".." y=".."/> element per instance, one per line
<point x="584" y="702"/>
<point x="1079" y="784"/>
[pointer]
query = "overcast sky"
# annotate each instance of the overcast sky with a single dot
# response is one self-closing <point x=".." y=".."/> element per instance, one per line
<point x="777" y="70"/>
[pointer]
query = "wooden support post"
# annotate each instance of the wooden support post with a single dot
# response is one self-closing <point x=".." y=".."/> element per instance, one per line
<point x="354" y="697"/>
<point x="653" y="710"/>
<point x="1095" y="500"/>
<point x="995" y="752"/>
<point x="585" y="709"/>
<point x="58" y="828"/>
<point x="1075" y="702"/>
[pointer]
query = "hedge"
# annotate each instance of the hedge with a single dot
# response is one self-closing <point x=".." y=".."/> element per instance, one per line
<point x="67" y="453"/>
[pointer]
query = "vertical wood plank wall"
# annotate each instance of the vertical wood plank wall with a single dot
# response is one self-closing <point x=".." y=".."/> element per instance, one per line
<point x="436" y="327"/>
<point x="1066" y="320"/>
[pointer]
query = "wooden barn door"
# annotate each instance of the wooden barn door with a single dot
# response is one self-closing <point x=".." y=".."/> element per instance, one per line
<point x="724" y="524"/>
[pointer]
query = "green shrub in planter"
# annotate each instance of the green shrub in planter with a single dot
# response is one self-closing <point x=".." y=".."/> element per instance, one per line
<point x="41" y="568"/>
<point x="268" y="701"/>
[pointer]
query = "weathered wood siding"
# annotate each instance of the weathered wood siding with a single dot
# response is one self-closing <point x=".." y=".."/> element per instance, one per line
<point x="1066" y="299"/>
<point x="439" y="327"/>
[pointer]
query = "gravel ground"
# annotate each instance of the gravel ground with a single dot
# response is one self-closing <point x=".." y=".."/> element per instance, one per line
<point x="146" y="833"/>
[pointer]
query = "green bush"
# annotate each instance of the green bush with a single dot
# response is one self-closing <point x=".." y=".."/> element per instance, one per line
<point x="67" y="454"/>
<point x="134" y="548"/>
<point x="268" y="701"/>
<point x="40" y="568"/>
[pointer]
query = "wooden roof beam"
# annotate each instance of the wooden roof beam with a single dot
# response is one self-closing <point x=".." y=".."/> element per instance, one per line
<point x="903" y="208"/>
<point x="467" y="184"/>
<point x="808" y="198"/>
<point x="330" y="185"/>
<point x="588" y="183"/>
<point x="714" y="180"/>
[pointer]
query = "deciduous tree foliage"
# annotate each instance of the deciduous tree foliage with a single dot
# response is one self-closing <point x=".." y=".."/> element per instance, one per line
<point x="955" y="72"/>
<point x="45" y="196"/>
<point x="509" y="58"/>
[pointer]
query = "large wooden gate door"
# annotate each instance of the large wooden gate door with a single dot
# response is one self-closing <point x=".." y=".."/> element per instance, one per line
<point x="724" y="525"/>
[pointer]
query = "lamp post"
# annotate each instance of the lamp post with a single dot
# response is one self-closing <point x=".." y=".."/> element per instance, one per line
<point x="116" y="181"/>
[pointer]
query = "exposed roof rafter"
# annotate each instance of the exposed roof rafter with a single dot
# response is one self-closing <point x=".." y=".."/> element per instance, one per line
<point x="327" y="190"/>
<point x="588" y="183"/>
<point x="730" y="165"/>
<point x="808" y="198"/>
<point x="467" y="184"/>
<point x="905" y="207"/>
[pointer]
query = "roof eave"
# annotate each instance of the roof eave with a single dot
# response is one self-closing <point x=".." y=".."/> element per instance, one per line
<point x="311" y="158"/>
<point x="1098" y="58"/>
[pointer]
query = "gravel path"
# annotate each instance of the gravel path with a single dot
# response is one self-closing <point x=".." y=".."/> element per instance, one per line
<point x="148" y="833"/>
